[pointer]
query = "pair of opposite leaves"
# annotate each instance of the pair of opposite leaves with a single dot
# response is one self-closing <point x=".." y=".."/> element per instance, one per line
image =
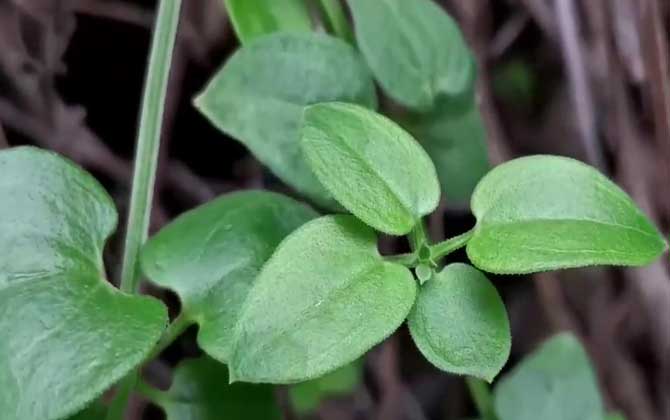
<point x="258" y="95"/>
<point x="325" y="296"/>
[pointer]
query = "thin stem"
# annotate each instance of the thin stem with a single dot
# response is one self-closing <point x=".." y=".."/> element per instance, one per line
<point x="481" y="395"/>
<point x="408" y="260"/>
<point x="337" y="20"/>
<point x="148" y="139"/>
<point x="418" y="236"/>
<point x="146" y="160"/>
<point x="450" y="245"/>
<point x="152" y="393"/>
<point x="176" y="328"/>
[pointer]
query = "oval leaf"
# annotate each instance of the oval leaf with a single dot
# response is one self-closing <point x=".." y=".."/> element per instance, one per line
<point x="259" y="95"/>
<point x="211" y="255"/>
<point x="554" y="383"/>
<point x="200" y="391"/>
<point x="67" y="334"/>
<point x="455" y="138"/>
<point x="548" y="212"/>
<point x="371" y="166"/>
<point x="414" y="49"/>
<point x="323" y="299"/>
<point x="460" y="323"/>
<point x="254" y="18"/>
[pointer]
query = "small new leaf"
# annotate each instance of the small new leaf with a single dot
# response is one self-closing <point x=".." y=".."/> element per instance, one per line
<point x="211" y="255"/>
<point x="67" y="334"/>
<point x="254" y="18"/>
<point x="554" y="383"/>
<point x="370" y="165"/>
<point x="307" y="396"/>
<point x="460" y="324"/>
<point x="323" y="299"/>
<point x="259" y="95"/>
<point x="547" y="212"/>
<point x="200" y="391"/>
<point x="415" y="50"/>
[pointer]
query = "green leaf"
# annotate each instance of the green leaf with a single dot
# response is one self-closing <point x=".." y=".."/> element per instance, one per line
<point x="548" y="212"/>
<point x="254" y="18"/>
<point x="454" y="136"/>
<point x="371" y="166"/>
<point x="259" y="95"/>
<point x="615" y="416"/>
<point x="460" y="324"/>
<point x="323" y="299"/>
<point x="307" y="396"/>
<point x="67" y="334"/>
<point x="200" y="391"/>
<point x="415" y="50"/>
<point x="556" y="382"/>
<point x="211" y="255"/>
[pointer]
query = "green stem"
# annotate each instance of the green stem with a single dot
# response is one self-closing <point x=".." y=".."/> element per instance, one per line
<point x="176" y="328"/>
<point x="445" y="248"/>
<point x="337" y="20"/>
<point x="481" y="395"/>
<point x="408" y="260"/>
<point x="148" y="139"/>
<point x="418" y="236"/>
<point x="146" y="160"/>
<point x="152" y="394"/>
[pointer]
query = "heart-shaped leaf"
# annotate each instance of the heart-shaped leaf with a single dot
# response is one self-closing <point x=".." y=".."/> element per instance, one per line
<point x="454" y="136"/>
<point x="200" y="391"/>
<point x="323" y="299"/>
<point x="67" y="334"/>
<point x="211" y="255"/>
<point x="254" y="18"/>
<point x="371" y="166"/>
<point x="554" y="383"/>
<point x="460" y="324"/>
<point x="415" y="50"/>
<point x="259" y="95"/>
<point x="548" y="212"/>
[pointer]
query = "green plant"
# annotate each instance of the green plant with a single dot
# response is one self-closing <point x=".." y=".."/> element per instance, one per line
<point x="279" y="293"/>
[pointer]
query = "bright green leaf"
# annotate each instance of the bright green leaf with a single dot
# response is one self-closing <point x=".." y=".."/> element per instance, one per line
<point x="200" y="391"/>
<point x="254" y="18"/>
<point x="455" y="138"/>
<point x="259" y="95"/>
<point x="307" y="396"/>
<point x="548" y="212"/>
<point x="460" y="324"/>
<point x="323" y="299"/>
<point x="67" y="334"/>
<point x="415" y="50"/>
<point x="211" y="255"/>
<point x="615" y="416"/>
<point x="556" y="382"/>
<point x="371" y="166"/>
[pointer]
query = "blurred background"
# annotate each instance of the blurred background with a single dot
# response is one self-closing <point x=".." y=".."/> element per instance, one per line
<point x="582" y="78"/>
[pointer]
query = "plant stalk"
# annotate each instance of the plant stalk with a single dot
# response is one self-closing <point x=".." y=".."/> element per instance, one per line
<point x="176" y="328"/>
<point x="444" y="248"/>
<point x="481" y="395"/>
<point x="146" y="161"/>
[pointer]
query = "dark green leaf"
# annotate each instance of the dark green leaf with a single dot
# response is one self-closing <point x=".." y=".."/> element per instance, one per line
<point x="307" y="396"/>
<point x="371" y="166"/>
<point x="67" y="334"/>
<point x="259" y="95"/>
<point x="95" y="411"/>
<point x="554" y="383"/>
<point x="548" y="212"/>
<point x="415" y="50"/>
<point x="615" y="416"/>
<point x="211" y="255"/>
<point x="323" y="299"/>
<point x="460" y="324"/>
<point x="200" y="391"/>
<point x="454" y="136"/>
<point x="254" y="18"/>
